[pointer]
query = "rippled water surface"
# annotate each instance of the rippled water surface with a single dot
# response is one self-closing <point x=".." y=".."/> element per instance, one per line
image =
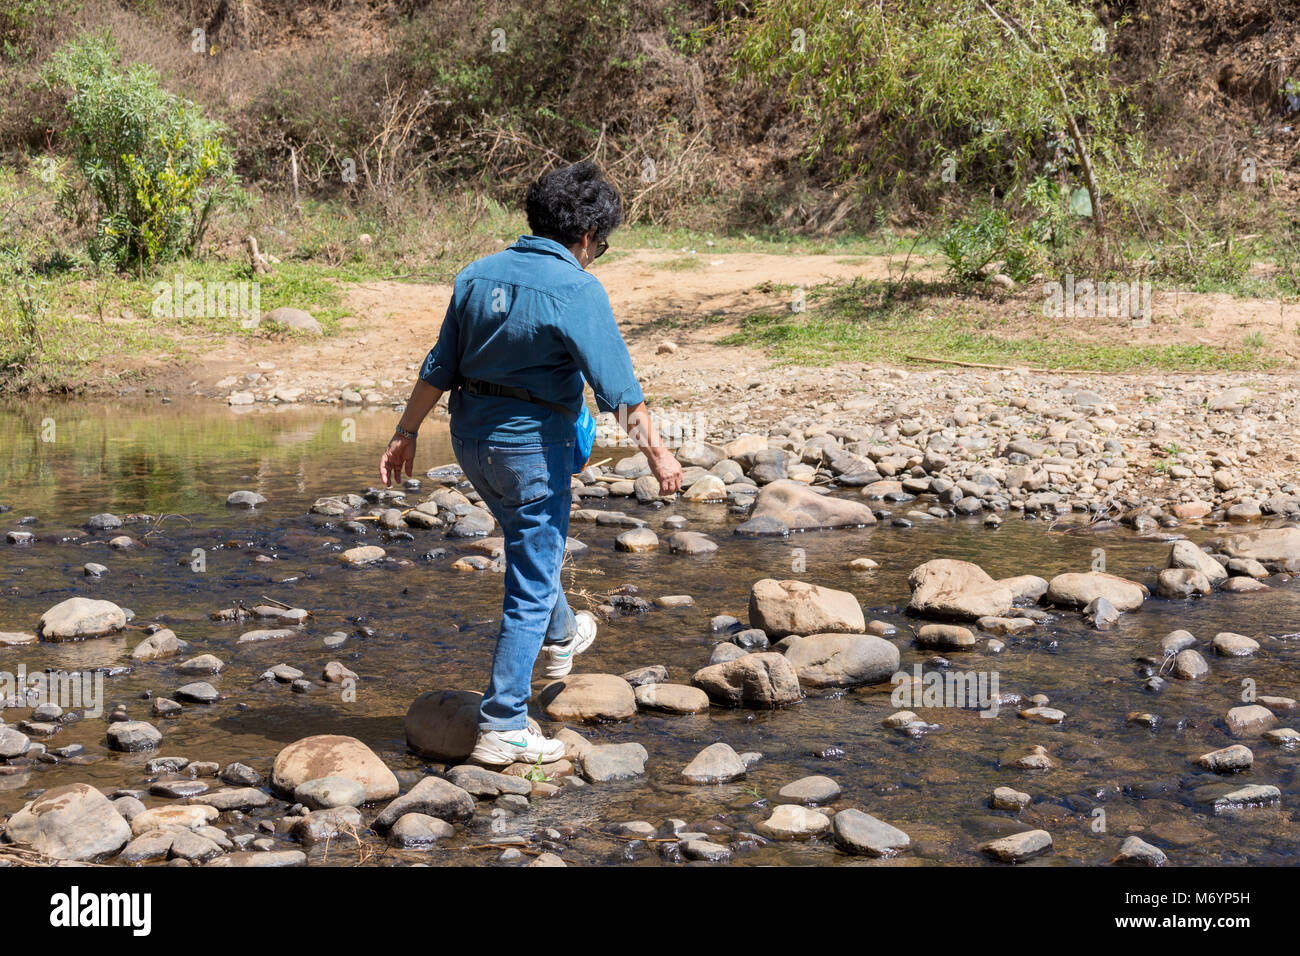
<point x="433" y="628"/>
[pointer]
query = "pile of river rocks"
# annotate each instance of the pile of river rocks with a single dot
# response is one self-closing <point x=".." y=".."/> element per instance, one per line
<point x="1195" y="446"/>
<point x="1137" y="448"/>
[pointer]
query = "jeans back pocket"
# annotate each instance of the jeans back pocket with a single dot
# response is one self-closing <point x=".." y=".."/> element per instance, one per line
<point x="520" y="473"/>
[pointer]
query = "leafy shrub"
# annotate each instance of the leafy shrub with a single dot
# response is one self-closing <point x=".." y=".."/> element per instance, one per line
<point x="153" y="165"/>
<point x="971" y="243"/>
<point x="23" y="311"/>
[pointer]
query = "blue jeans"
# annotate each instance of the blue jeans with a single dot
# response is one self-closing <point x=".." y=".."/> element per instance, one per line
<point x="526" y="487"/>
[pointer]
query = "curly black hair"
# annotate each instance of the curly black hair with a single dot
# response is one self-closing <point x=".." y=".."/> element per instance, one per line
<point x="566" y="203"/>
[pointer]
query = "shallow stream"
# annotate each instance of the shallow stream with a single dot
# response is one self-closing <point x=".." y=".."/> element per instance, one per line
<point x="433" y="628"/>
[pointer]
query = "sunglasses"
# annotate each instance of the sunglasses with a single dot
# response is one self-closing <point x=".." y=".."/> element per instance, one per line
<point x="600" y="250"/>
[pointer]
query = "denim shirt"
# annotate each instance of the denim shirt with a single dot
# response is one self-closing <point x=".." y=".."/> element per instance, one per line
<point x="530" y="317"/>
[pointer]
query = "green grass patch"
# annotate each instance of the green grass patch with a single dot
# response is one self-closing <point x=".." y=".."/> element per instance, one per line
<point x="879" y="322"/>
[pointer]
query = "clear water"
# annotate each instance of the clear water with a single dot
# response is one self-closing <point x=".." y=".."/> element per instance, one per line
<point x="433" y="628"/>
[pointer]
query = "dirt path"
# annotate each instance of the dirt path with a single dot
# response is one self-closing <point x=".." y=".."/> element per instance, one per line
<point x="393" y="323"/>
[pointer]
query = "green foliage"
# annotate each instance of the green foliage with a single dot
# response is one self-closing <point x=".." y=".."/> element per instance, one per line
<point x="154" y="167"/>
<point x="987" y="235"/>
<point x="972" y="242"/>
<point x="820" y="340"/>
<point x="546" y="66"/>
<point x="24" y="311"/>
<point x="536" y="773"/>
<point x="996" y="87"/>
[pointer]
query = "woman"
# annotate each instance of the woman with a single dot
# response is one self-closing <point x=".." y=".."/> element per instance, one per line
<point x="523" y="330"/>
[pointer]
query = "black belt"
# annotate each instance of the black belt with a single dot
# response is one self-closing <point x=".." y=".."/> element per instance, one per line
<point x="476" y="386"/>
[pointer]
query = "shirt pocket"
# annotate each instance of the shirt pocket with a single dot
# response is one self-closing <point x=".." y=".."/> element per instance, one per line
<point x="520" y="473"/>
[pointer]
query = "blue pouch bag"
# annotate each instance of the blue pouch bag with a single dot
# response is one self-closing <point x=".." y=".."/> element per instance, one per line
<point x="585" y="427"/>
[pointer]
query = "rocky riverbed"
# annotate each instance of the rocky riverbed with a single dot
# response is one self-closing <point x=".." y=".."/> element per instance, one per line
<point x="982" y="629"/>
<point x="1185" y="441"/>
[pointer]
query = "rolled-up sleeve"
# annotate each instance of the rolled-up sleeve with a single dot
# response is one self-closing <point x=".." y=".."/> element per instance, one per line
<point x="442" y="365"/>
<point x="591" y="335"/>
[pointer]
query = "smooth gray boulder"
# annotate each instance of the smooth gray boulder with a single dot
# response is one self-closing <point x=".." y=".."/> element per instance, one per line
<point x="858" y="832"/>
<point x="842" y="660"/>
<point x="78" y="618"/>
<point x="432" y="796"/>
<point x="716" y="763"/>
<point x="796" y="507"/>
<point x="1077" y="589"/>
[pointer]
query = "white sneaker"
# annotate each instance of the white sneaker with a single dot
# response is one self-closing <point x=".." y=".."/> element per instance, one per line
<point x="558" y="658"/>
<point x="501" y="747"/>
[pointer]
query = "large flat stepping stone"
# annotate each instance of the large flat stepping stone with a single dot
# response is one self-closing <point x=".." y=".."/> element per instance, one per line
<point x="1228" y="759"/>
<point x="1225" y="798"/>
<point x="606" y="763"/>
<point x="1250" y="719"/>
<point x="785" y="505"/>
<point x="637" y="541"/>
<point x="1079" y="589"/>
<point x="233" y="798"/>
<point x="588" y="698"/>
<point x="200" y="692"/>
<point x="842" y="660"/>
<point x="178" y="789"/>
<point x="156" y="646"/>
<point x="267" y="634"/>
<point x="188" y="816"/>
<point x="73" y="822"/>
<point x="133" y="736"/>
<point x="793" y="822"/>
<point x="363" y="554"/>
<point x="691" y="542"/>
<point x="203" y="664"/>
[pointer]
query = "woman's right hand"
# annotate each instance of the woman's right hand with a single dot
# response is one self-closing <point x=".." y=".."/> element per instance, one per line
<point x="399" y="455"/>
<point x="665" y="466"/>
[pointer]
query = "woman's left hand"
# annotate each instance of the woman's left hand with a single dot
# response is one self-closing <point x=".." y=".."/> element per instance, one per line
<point x="399" y="455"/>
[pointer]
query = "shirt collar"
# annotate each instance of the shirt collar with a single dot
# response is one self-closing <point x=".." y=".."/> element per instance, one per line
<point x="549" y="246"/>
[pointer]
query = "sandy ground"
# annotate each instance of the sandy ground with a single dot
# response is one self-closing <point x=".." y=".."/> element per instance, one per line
<point x="393" y="323"/>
